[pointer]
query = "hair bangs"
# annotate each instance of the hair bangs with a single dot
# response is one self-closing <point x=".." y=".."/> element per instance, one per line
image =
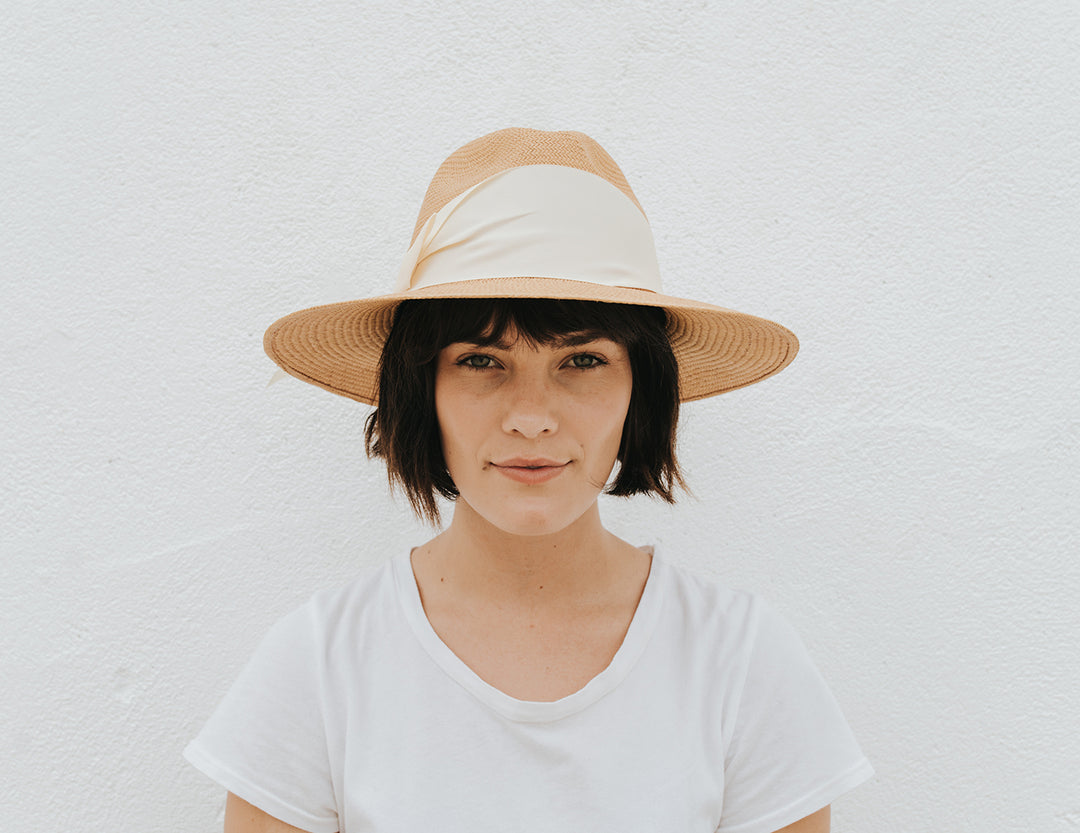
<point x="538" y="321"/>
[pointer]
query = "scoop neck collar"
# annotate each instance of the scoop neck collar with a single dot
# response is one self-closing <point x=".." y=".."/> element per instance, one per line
<point x="633" y="645"/>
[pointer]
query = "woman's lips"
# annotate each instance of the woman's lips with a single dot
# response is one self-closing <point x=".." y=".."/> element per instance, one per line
<point x="530" y="472"/>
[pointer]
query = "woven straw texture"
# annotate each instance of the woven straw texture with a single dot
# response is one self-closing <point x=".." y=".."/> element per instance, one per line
<point x="337" y="346"/>
<point x="515" y="147"/>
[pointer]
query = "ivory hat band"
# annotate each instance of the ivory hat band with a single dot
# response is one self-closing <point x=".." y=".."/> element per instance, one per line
<point x="524" y="213"/>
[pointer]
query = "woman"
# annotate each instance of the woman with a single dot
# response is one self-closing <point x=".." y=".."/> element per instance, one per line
<point x="526" y="669"/>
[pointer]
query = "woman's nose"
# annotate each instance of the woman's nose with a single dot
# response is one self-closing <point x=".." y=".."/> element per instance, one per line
<point x="530" y="409"/>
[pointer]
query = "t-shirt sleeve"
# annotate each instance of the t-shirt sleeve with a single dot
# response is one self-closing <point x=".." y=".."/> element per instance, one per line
<point x="790" y="751"/>
<point x="266" y="741"/>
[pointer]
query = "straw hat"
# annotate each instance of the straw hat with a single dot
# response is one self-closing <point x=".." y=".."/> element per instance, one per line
<point x="522" y="213"/>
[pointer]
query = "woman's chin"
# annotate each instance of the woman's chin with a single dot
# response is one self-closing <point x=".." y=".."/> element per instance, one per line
<point x="530" y="521"/>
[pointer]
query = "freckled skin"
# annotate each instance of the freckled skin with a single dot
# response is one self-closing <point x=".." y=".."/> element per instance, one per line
<point x="564" y="405"/>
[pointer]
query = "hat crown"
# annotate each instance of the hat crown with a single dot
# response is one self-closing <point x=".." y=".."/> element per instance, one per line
<point x="515" y="147"/>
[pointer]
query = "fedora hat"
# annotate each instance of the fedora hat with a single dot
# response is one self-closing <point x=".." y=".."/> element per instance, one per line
<point x="523" y="213"/>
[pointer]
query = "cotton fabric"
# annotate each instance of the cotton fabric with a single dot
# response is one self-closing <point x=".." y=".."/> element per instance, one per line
<point x="353" y="715"/>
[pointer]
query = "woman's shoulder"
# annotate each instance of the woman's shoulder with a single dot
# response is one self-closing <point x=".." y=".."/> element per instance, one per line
<point x="368" y="582"/>
<point x="347" y="608"/>
<point x="708" y="604"/>
<point x="706" y="594"/>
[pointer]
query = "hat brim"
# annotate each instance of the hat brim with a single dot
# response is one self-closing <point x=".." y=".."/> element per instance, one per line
<point x="338" y="346"/>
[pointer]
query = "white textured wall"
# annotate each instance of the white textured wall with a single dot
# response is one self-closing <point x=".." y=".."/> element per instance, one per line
<point x="897" y="182"/>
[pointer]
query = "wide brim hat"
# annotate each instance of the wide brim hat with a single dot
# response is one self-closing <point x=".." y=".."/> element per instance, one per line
<point x="523" y="213"/>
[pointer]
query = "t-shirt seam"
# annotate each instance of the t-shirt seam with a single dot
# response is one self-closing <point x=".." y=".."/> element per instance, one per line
<point x="831" y="788"/>
<point x="195" y="750"/>
<point x="320" y="638"/>
<point x="730" y="740"/>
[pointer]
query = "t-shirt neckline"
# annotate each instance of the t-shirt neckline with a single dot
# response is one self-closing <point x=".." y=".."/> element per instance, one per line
<point x="633" y="645"/>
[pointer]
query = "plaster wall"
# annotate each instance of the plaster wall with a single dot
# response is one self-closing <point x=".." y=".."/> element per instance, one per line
<point x="898" y="183"/>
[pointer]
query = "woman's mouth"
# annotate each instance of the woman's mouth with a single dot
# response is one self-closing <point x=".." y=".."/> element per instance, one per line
<point x="530" y="471"/>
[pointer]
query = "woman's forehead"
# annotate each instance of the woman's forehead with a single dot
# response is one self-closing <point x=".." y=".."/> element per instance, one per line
<point x="511" y="336"/>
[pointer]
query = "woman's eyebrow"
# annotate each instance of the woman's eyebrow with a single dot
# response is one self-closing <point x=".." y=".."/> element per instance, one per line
<point x="577" y="339"/>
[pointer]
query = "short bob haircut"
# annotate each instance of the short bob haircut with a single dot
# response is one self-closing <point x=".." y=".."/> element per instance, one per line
<point x="404" y="429"/>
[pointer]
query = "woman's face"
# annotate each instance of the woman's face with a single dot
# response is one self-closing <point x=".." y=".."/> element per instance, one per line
<point x="530" y="434"/>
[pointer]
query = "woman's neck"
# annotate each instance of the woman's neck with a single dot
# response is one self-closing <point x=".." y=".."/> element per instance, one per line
<point x="579" y="564"/>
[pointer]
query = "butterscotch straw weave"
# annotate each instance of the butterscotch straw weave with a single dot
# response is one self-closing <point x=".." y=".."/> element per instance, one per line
<point x="337" y="346"/>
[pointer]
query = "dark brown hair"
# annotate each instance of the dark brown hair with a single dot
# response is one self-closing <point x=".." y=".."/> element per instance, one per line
<point x="404" y="430"/>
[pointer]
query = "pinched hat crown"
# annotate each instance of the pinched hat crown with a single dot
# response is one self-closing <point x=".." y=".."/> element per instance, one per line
<point x="516" y="147"/>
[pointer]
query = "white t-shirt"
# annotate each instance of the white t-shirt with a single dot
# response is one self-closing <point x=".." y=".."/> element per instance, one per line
<point x="354" y="716"/>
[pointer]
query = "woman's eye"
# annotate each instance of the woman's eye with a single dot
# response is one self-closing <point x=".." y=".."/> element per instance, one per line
<point x="585" y="360"/>
<point x="477" y="362"/>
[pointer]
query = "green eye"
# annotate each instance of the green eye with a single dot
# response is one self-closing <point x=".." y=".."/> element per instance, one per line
<point x="586" y="360"/>
<point x="477" y="362"/>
